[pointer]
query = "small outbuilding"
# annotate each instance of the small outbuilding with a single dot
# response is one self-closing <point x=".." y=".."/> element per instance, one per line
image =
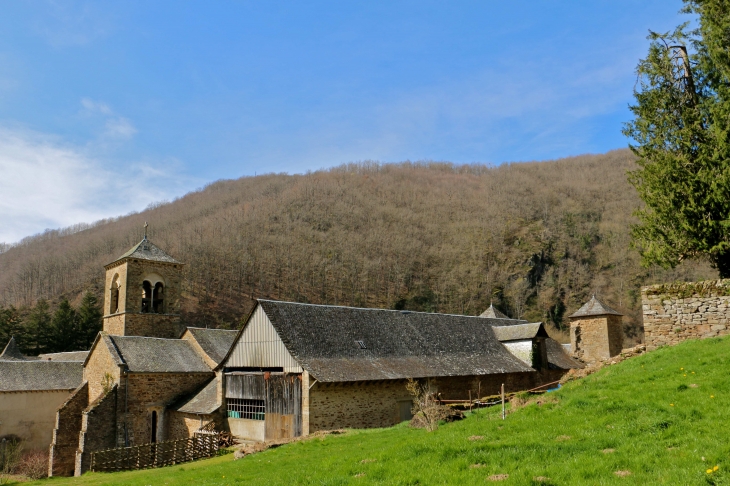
<point x="596" y="331"/>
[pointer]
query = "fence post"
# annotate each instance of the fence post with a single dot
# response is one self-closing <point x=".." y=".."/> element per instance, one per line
<point x="503" y="401"/>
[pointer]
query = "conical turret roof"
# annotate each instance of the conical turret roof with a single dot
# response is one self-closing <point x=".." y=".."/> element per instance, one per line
<point x="146" y="250"/>
<point x="595" y="307"/>
<point x="493" y="312"/>
<point x="12" y="352"/>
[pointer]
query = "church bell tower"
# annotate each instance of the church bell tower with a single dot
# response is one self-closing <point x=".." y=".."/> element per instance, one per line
<point x="142" y="293"/>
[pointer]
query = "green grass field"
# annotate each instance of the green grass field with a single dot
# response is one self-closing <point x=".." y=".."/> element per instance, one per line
<point x="663" y="416"/>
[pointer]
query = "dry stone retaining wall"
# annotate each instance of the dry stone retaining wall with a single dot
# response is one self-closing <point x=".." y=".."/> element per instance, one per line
<point x="688" y="310"/>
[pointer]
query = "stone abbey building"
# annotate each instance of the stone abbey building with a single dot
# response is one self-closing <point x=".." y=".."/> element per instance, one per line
<point x="146" y="378"/>
<point x="291" y="370"/>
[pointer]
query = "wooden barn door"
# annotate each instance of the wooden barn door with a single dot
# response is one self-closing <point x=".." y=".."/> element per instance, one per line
<point x="283" y="405"/>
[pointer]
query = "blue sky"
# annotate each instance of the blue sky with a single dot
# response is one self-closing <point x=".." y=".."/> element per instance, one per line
<point x="106" y="107"/>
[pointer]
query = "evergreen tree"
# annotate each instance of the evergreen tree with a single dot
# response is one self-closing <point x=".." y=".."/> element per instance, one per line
<point x="64" y="328"/>
<point x="682" y="134"/>
<point x="38" y="329"/>
<point x="11" y="326"/>
<point x="89" y="321"/>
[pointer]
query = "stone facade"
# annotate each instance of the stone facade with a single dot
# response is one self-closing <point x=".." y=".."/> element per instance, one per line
<point x="377" y="403"/>
<point x="126" y="277"/>
<point x="98" y="429"/>
<point x="596" y="337"/>
<point x="62" y="457"/>
<point x="150" y="392"/>
<point x="182" y="425"/>
<point x="688" y="310"/>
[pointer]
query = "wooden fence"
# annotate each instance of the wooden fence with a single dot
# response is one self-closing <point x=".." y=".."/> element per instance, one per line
<point x="156" y="454"/>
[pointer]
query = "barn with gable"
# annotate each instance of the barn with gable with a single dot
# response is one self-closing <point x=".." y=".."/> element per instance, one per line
<point x="298" y="368"/>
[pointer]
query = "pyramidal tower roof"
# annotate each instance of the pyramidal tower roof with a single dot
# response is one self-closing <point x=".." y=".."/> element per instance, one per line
<point x="12" y="352"/>
<point x="146" y="250"/>
<point x="494" y="313"/>
<point x="595" y="307"/>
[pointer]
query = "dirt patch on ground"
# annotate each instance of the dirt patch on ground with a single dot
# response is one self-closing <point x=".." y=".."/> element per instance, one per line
<point x="597" y="365"/>
<point x="562" y="438"/>
<point x="541" y="479"/>
<point x="476" y="437"/>
<point x="248" y="449"/>
<point x="622" y="474"/>
<point x="608" y="451"/>
<point x="498" y="477"/>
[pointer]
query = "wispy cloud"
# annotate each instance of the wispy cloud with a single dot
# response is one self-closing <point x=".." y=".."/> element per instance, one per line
<point x="116" y="126"/>
<point x="46" y="183"/>
<point x="73" y="23"/>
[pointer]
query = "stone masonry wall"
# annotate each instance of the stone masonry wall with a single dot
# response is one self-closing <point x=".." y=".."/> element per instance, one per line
<point x="137" y="272"/>
<point x="62" y="457"/>
<point x="687" y="310"/>
<point x="155" y="391"/>
<point x="375" y="404"/>
<point x="182" y="425"/>
<point x="596" y="338"/>
<point x="98" y="429"/>
<point x="100" y="369"/>
<point x="152" y="325"/>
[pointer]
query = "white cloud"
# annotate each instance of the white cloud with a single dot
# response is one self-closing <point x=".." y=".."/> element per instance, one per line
<point x="45" y="183"/>
<point x="116" y="126"/>
<point x="120" y="128"/>
<point x="92" y="106"/>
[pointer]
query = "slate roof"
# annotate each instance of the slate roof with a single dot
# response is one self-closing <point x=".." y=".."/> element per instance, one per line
<point x="203" y="402"/>
<point x="146" y="250"/>
<point x="215" y="342"/>
<point x="12" y="352"/>
<point x="520" y="331"/>
<point x="558" y="357"/>
<point x="397" y="344"/>
<point x="156" y="355"/>
<point x="494" y="313"/>
<point x="67" y="356"/>
<point x="40" y="375"/>
<point x="594" y="307"/>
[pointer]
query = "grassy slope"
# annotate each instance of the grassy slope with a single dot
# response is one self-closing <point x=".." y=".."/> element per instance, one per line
<point x="626" y="407"/>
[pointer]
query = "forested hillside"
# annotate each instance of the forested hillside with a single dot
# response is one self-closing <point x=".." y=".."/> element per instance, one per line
<point x="535" y="238"/>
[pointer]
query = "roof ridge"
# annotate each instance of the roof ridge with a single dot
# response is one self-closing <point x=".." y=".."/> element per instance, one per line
<point x="403" y="311"/>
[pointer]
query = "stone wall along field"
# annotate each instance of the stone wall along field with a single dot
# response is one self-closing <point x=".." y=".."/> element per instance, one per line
<point x="685" y="310"/>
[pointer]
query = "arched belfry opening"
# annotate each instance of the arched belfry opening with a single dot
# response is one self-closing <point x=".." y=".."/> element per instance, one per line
<point x="158" y="298"/>
<point x="114" y="295"/>
<point x="146" y="297"/>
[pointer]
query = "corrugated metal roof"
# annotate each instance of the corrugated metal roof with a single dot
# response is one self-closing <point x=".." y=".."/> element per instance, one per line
<point x="205" y="401"/>
<point x="146" y="250"/>
<point x="40" y="375"/>
<point x="520" y="331"/>
<point x="156" y="355"/>
<point x="215" y="342"/>
<point x="398" y="344"/>
<point x="594" y="307"/>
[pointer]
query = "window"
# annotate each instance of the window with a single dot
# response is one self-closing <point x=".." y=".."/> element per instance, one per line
<point x="158" y="299"/>
<point x="114" y="297"/>
<point x="246" y="409"/>
<point x="146" y="296"/>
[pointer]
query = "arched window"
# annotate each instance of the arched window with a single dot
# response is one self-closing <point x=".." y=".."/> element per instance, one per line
<point x="146" y="296"/>
<point x="114" y="296"/>
<point x="158" y="299"/>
